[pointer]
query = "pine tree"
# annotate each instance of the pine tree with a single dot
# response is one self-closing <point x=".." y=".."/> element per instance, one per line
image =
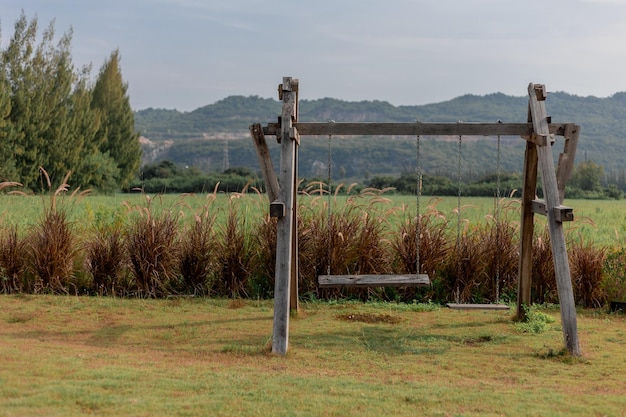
<point x="19" y="77"/>
<point x="41" y="78"/>
<point x="7" y="164"/>
<point x="94" y="170"/>
<point x="119" y="140"/>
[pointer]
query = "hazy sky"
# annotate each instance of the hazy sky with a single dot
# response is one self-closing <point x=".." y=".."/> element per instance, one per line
<point x="185" y="54"/>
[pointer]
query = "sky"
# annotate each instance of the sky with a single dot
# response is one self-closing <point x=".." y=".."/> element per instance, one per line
<point x="185" y="54"/>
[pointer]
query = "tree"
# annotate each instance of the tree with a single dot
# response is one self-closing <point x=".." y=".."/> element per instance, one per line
<point x="587" y="176"/>
<point x="7" y="164"/>
<point x="117" y="135"/>
<point x="20" y="75"/>
<point x="41" y="79"/>
<point x="96" y="169"/>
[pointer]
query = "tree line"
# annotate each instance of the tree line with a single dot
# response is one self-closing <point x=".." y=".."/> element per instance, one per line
<point x="602" y="140"/>
<point x="587" y="181"/>
<point x="54" y="117"/>
<point x="168" y="177"/>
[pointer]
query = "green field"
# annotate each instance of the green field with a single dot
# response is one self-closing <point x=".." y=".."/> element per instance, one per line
<point x="601" y="221"/>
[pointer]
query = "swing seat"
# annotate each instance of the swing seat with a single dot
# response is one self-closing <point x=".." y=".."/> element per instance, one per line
<point x="478" y="306"/>
<point x="364" y="281"/>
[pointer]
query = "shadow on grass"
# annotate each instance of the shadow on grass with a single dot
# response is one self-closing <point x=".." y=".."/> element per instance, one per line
<point x="393" y="340"/>
<point x="109" y="334"/>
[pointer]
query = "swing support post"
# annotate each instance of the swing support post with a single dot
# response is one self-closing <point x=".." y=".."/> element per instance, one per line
<point x="527" y="226"/>
<point x="538" y="133"/>
<point x="286" y="279"/>
<point x="554" y="212"/>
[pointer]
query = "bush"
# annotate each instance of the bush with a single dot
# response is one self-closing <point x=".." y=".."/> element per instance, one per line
<point x="52" y="249"/>
<point x="614" y="279"/>
<point x="535" y="321"/>
<point x="587" y="263"/>
<point x="106" y="261"/>
<point x="235" y="255"/>
<point x="12" y="261"/>
<point x="156" y="255"/>
<point x="434" y="247"/>
<point x="197" y="250"/>
<point x="543" y="287"/>
<point x="153" y="253"/>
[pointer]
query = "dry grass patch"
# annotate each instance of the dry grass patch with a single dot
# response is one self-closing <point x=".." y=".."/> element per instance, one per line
<point x="73" y="356"/>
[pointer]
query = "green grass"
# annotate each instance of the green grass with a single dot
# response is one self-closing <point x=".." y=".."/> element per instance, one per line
<point x="27" y="210"/>
<point x="72" y="356"/>
<point x="602" y="221"/>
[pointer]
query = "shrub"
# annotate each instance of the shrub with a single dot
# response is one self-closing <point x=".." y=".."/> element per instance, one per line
<point x="197" y="251"/>
<point x="235" y="255"/>
<point x="434" y="247"/>
<point x="106" y="260"/>
<point x="463" y="269"/>
<point x="52" y="248"/>
<point x="12" y="261"/>
<point x="313" y="237"/>
<point x="614" y="278"/>
<point x="262" y="281"/>
<point x="587" y="262"/>
<point x="152" y="250"/>
<point x="535" y="321"/>
<point x="543" y="287"/>
<point x="499" y="248"/>
<point x="354" y="241"/>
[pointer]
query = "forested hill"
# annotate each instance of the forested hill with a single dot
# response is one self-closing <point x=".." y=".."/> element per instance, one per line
<point x="194" y="134"/>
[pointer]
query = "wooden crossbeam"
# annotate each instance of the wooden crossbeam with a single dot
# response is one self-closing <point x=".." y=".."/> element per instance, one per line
<point x="478" y="306"/>
<point x="561" y="213"/>
<point x="364" y="281"/>
<point x="399" y="129"/>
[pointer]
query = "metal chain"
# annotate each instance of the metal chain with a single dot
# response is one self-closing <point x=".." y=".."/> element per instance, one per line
<point x="458" y="218"/>
<point x="330" y="192"/>
<point x="497" y="219"/>
<point x="417" y="203"/>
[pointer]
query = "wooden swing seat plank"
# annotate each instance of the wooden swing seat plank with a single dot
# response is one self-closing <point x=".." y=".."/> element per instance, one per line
<point x="478" y="306"/>
<point x="409" y="280"/>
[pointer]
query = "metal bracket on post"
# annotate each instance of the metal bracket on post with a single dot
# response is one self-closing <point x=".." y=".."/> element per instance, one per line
<point x="294" y="135"/>
<point x="277" y="209"/>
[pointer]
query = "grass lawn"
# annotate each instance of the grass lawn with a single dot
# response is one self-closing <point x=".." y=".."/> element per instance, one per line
<point x="71" y="356"/>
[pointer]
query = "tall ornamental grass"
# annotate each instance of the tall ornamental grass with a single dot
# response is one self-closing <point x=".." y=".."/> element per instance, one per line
<point x="230" y="251"/>
<point x="151" y="244"/>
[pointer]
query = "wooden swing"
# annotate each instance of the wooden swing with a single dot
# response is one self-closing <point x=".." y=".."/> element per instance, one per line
<point x="539" y="134"/>
<point x="373" y="280"/>
<point x="477" y="306"/>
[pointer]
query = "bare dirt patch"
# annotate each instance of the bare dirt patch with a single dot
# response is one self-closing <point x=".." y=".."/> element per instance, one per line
<point x="369" y="318"/>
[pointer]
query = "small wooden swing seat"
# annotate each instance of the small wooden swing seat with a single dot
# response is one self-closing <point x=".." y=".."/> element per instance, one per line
<point x="478" y="306"/>
<point x="364" y="281"/>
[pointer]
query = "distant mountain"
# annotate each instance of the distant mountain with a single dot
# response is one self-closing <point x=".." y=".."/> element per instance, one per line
<point x="216" y="135"/>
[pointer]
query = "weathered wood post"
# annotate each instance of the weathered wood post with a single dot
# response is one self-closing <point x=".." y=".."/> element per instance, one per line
<point x="566" y="158"/>
<point x="527" y="228"/>
<point x="286" y="243"/>
<point x="265" y="161"/>
<point x="537" y="95"/>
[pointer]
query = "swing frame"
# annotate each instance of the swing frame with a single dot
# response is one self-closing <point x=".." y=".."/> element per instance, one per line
<point x="539" y="134"/>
